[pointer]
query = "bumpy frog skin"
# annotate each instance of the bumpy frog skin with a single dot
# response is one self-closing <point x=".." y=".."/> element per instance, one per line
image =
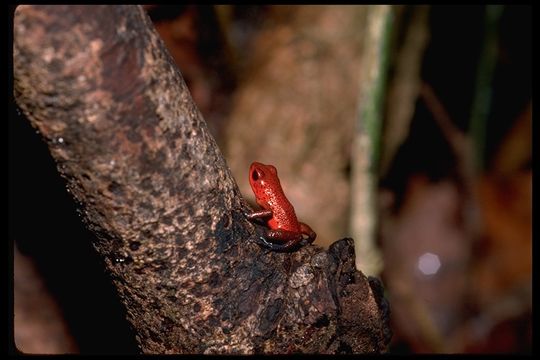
<point x="285" y="232"/>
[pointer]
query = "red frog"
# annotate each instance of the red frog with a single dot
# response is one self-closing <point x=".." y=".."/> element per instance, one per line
<point x="286" y="232"/>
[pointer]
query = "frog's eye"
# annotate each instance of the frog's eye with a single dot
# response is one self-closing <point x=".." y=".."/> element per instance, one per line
<point x="256" y="174"/>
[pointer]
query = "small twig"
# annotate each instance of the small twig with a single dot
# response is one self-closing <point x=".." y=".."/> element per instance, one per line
<point x="455" y="137"/>
<point x="462" y="147"/>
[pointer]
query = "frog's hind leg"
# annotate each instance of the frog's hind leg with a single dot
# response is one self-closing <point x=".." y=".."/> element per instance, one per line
<point x="308" y="231"/>
<point x="293" y="240"/>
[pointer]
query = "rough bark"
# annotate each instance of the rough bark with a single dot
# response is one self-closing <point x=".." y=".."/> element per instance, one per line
<point x="152" y="185"/>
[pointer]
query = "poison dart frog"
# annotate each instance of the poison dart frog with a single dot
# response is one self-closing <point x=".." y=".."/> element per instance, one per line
<point x="286" y="232"/>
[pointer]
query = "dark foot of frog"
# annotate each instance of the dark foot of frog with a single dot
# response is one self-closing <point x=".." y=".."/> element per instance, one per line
<point x="285" y="247"/>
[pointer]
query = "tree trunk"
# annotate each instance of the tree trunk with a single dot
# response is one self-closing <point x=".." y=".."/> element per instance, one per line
<point x="98" y="84"/>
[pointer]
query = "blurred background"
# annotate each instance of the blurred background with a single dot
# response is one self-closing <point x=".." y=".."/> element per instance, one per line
<point x="407" y="128"/>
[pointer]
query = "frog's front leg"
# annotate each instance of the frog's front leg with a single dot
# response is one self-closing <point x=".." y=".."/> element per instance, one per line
<point x="259" y="214"/>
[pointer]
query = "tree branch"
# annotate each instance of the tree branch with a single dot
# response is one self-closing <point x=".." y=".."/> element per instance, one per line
<point x="98" y="84"/>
